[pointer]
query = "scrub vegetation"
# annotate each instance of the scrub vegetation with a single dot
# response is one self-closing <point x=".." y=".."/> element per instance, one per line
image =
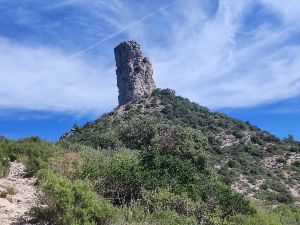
<point x="161" y="160"/>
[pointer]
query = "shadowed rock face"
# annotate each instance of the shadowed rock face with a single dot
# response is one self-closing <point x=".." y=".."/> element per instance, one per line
<point x="134" y="72"/>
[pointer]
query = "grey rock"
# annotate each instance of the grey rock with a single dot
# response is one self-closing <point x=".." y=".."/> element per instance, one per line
<point x="134" y="72"/>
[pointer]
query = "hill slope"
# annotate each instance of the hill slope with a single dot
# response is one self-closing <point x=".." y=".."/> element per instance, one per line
<point x="254" y="162"/>
<point x="160" y="160"/>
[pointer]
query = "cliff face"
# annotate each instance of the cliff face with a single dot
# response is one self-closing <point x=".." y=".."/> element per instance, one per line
<point x="134" y="72"/>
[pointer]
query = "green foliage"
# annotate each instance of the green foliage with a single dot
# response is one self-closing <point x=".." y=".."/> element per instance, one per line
<point x="154" y="164"/>
<point x="288" y="214"/>
<point x="243" y="158"/>
<point x="136" y="215"/>
<point x="282" y="215"/>
<point x="184" y="142"/>
<point x="72" y="202"/>
<point x="162" y="199"/>
<point x="128" y="175"/>
<point x="296" y="164"/>
<point x="182" y="111"/>
<point x="4" y="164"/>
<point x="233" y="203"/>
<point x="76" y="128"/>
<point x="161" y="170"/>
<point x="176" y="126"/>
<point x="33" y="152"/>
<point x="290" y="138"/>
<point x="147" y="132"/>
<point x="262" y="218"/>
<point x="281" y="160"/>
<point x="137" y="132"/>
<point x="278" y="192"/>
<point x="124" y="178"/>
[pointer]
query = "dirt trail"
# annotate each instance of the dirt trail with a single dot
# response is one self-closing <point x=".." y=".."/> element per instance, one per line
<point x="23" y="195"/>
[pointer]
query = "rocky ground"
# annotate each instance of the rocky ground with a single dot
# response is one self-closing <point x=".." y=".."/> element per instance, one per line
<point x="243" y="186"/>
<point x="18" y="194"/>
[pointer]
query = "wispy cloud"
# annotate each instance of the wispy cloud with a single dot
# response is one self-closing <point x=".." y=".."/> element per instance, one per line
<point x="41" y="79"/>
<point x="206" y="50"/>
<point x="213" y="63"/>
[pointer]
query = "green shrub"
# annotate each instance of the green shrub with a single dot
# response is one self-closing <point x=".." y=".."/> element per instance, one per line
<point x="233" y="163"/>
<point x="71" y="202"/>
<point x="123" y="181"/>
<point x="276" y="197"/>
<point x="33" y="152"/>
<point x="95" y="168"/>
<point x="279" y="193"/>
<point x="124" y="177"/>
<point x="67" y="165"/>
<point x="296" y="164"/>
<point x="281" y="160"/>
<point x="4" y="166"/>
<point x="282" y="215"/>
<point x="136" y="215"/>
<point x="289" y="214"/>
<point x="4" y="158"/>
<point x="165" y="170"/>
<point x="168" y="217"/>
<point x="137" y="132"/>
<point x="186" y="143"/>
<point x="260" y="219"/>
<point x="162" y="199"/>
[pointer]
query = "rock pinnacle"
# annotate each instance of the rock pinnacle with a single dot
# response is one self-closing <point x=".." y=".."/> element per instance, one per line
<point x="134" y="72"/>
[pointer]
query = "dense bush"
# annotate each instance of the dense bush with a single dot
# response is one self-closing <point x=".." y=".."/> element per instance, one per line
<point x="67" y="164"/>
<point x="33" y="152"/>
<point x="282" y="215"/>
<point x="162" y="199"/>
<point x="137" y="132"/>
<point x="136" y="215"/>
<point x="278" y="193"/>
<point x="128" y="175"/>
<point x="71" y="202"/>
<point x="158" y="186"/>
<point x="161" y="170"/>
<point x="123" y="180"/>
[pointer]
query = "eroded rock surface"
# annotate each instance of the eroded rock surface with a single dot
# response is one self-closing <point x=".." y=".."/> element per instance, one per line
<point x="134" y="72"/>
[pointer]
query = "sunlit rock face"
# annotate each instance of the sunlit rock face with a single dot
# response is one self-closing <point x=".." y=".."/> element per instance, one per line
<point x="134" y="72"/>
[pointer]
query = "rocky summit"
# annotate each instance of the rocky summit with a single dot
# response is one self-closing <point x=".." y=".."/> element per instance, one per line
<point x="134" y="72"/>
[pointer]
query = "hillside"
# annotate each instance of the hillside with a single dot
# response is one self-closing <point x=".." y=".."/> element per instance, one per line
<point x="253" y="162"/>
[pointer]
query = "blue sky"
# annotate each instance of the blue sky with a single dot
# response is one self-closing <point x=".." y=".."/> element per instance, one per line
<point x="238" y="57"/>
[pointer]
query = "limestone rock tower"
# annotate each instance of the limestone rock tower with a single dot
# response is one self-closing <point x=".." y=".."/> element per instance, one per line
<point x="134" y="72"/>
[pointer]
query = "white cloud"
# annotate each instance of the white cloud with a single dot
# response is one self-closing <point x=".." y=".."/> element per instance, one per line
<point x="289" y="10"/>
<point x="207" y="58"/>
<point x="209" y="64"/>
<point x="41" y="79"/>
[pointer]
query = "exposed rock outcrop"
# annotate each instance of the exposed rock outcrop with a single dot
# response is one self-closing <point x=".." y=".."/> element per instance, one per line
<point x="134" y="72"/>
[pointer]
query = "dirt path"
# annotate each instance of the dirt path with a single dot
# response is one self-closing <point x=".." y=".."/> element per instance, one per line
<point x="21" y="195"/>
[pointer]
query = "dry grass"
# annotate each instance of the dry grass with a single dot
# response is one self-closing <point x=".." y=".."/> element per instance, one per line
<point x="67" y="165"/>
<point x="10" y="190"/>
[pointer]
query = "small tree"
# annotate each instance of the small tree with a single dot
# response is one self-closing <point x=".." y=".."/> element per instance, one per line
<point x="76" y="128"/>
<point x="290" y="138"/>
